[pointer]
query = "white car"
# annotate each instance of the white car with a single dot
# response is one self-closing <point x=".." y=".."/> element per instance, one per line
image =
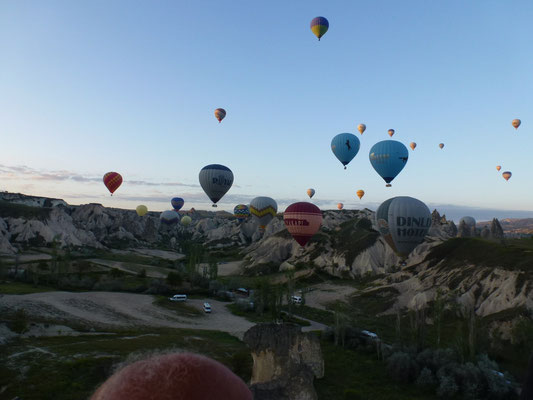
<point x="207" y="307"/>
<point x="178" y="297"/>
<point x="296" y="299"/>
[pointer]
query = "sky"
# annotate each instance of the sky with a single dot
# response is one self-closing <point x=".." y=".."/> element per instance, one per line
<point x="131" y="86"/>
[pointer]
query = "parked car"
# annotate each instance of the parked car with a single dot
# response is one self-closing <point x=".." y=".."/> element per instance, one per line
<point x="296" y="299"/>
<point x="207" y="307"/>
<point x="178" y="297"/>
<point x="243" y="291"/>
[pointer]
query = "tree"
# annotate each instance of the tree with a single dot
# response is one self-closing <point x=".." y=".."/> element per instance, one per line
<point x="213" y="269"/>
<point x="174" y="279"/>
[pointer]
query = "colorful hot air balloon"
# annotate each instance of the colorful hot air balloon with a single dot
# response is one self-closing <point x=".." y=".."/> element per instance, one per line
<point x="516" y="123"/>
<point x="141" y="210"/>
<point x="506" y="175"/>
<point x="186" y="220"/>
<point x="403" y="222"/>
<point x="263" y="209"/>
<point x="412" y="145"/>
<point x="112" y="180"/>
<point x="241" y="211"/>
<point x="216" y="180"/>
<point x="340" y="206"/>
<point x="319" y="26"/>
<point x="361" y="128"/>
<point x="345" y="147"/>
<point x="441" y="145"/>
<point x="310" y="193"/>
<point x="391" y="132"/>
<point x="177" y="203"/>
<point x="388" y="158"/>
<point x="498" y="167"/>
<point x="220" y="114"/>
<point x="360" y="194"/>
<point x="169" y="217"/>
<point x="302" y="221"/>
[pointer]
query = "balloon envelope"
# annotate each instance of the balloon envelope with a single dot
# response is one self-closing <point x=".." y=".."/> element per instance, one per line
<point x="310" y="192"/>
<point x="112" y="181"/>
<point x="441" y="145"/>
<point x="216" y="180"/>
<point x="220" y="113"/>
<point x="391" y="132"/>
<point x="186" y="220"/>
<point x="302" y="221"/>
<point x="412" y="145"/>
<point x="361" y="128"/>
<point x="403" y="222"/>
<point x="263" y="209"/>
<point x="169" y="217"/>
<point x="360" y="193"/>
<point x="345" y="147"/>
<point x="388" y="158"/>
<point x="507" y="175"/>
<point x="177" y="203"/>
<point x="469" y="221"/>
<point x="516" y="123"/>
<point x="340" y="206"/>
<point x="241" y="211"/>
<point x="141" y="210"/>
<point x="498" y="167"/>
<point x="319" y="26"/>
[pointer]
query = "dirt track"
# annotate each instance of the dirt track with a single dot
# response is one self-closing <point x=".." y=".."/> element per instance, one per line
<point x="125" y="310"/>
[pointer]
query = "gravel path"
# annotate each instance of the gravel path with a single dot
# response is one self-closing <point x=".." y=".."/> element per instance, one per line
<point x="125" y="310"/>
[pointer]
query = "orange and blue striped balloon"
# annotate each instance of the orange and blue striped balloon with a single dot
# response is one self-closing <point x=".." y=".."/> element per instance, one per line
<point x="319" y="26"/>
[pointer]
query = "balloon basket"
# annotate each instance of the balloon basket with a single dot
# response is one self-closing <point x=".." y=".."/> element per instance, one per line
<point x="214" y="205"/>
<point x="388" y="185"/>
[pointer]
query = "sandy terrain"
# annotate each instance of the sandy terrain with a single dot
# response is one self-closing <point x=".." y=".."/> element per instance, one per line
<point x="101" y="309"/>
<point x="324" y="293"/>
<point x="229" y="268"/>
<point x="132" y="268"/>
<point x="168" y="255"/>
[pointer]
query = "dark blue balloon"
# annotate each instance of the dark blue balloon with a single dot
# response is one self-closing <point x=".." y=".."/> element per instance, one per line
<point x="177" y="203"/>
<point x="345" y="147"/>
<point x="388" y="158"/>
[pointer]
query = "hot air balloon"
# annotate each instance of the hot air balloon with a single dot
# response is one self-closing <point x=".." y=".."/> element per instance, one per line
<point x="186" y="220"/>
<point x="403" y="222"/>
<point x="177" y="203"/>
<point x="220" y="114"/>
<point x="498" y="167"/>
<point x="241" y="211"/>
<point x="516" y="123"/>
<point x="361" y="128"/>
<point x="302" y="221"/>
<point x="441" y="145"/>
<point x="216" y="180"/>
<point x="141" y="210"/>
<point x="388" y="158"/>
<point x="360" y="194"/>
<point x="470" y="222"/>
<point x="340" y="206"/>
<point x="345" y="146"/>
<point x="310" y="193"/>
<point x="169" y="217"/>
<point x="507" y="175"/>
<point x="412" y="145"/>
<point x="391" y="132"/>
<point x="319" y="26"/>
<point x="263" y="209"/>
<point x="112" y="180"/>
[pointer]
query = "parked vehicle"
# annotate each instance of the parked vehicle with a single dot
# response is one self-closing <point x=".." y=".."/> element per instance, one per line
<point x="178" y="297"/>
<point x="207" y="307"/>
<point x="296" y="299"/>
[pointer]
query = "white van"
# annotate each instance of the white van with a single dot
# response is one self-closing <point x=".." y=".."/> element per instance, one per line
<point x="207" y="307"/>
<point x="296" y="299"/>
<point x="178" y="297"/>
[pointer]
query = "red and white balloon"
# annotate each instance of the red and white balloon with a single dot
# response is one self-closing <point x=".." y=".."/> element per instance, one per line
<point x="302" y="220"/>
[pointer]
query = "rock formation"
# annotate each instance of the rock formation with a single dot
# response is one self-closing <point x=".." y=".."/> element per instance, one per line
<point x="496" y="231"/>
<point x="286" y="361"/>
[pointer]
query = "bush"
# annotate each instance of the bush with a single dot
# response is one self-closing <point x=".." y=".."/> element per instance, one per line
<point x="447" y="387"/>
<point x="402" y="367"/>
<point x="116" y="273"/>
<point x="426" y="379"/>
<point x="19" y="323"/>
<point x="142" y="273"/>
<point x="352" y="394"/>
<point x="174" y="279"/>
<point x="158" y="286"/>
<point x="109" y="285"/>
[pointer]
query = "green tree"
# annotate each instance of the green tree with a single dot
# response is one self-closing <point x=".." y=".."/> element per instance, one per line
<point x="174" y="279"/>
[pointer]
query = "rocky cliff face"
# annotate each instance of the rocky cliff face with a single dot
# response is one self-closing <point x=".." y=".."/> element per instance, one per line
<point x="286" y="361"/>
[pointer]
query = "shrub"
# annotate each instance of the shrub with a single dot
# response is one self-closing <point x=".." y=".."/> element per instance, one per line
<point x="19" y="324"/>
<point x="142" y="273"/>
<point x="402" y="367"/>
<point x="426" y="379"/>
<point x="174" y="279"/>
<point x="352" y="394"/>
<point x="447" y="387"/>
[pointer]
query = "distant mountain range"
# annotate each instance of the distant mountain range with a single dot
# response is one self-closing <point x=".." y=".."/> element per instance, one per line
<point x="518" y="226"/>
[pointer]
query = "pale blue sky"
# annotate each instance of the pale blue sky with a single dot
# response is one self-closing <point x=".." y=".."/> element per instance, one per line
<point x="131" y="86"/>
